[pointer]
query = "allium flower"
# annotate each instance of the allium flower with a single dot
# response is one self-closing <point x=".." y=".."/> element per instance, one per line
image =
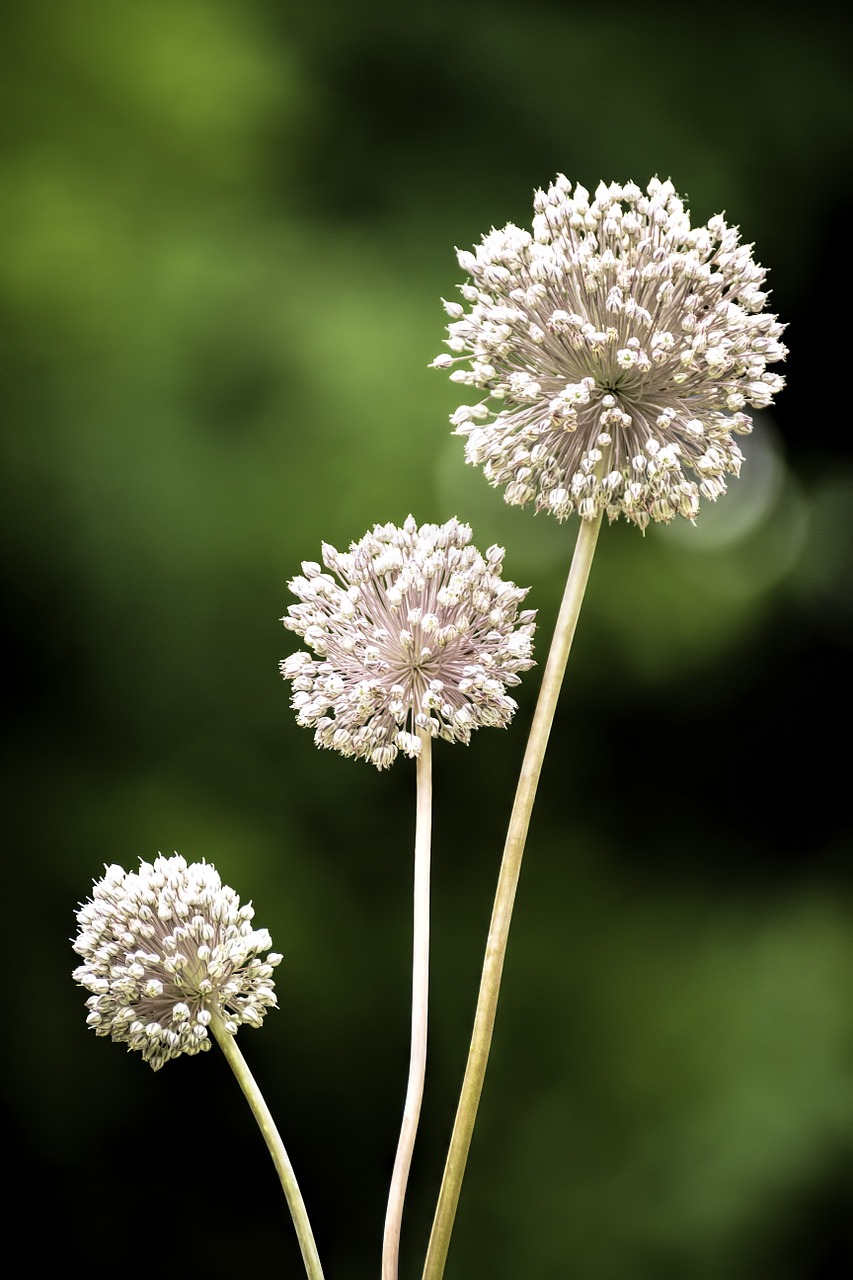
<point x="624" y="346"/>
<point x="165" y="948"/>
<point x="413" y="629"/>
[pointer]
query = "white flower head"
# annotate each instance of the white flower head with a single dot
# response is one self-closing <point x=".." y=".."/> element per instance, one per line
<point x="618" y="348"/>
<point x="164" y="949"/>
<point x="413" y="631"/>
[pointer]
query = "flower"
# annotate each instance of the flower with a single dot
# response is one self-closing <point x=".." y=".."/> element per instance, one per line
<point x="166" y="948"/>
<point x="624" y="345"/>
<point x="414" y="632"/>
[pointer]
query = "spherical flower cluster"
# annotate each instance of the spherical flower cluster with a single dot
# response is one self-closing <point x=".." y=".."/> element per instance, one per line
<point x="165" y="949"/>
<point x="414" y="632"/>
<point x="621" y="347"/>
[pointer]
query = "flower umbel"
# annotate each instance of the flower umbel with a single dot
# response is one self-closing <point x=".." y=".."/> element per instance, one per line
<point x="624" y="346"/>
<point x="413" y="630"/>
<point x="165" y="948"/>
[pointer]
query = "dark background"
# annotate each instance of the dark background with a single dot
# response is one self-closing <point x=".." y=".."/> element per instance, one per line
<point x="227" y="227"/>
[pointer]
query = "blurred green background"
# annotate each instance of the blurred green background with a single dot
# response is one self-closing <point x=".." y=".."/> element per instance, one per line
<point x="227" y="225"/>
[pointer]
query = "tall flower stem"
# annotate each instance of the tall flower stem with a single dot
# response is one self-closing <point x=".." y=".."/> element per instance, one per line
<point x="420" y="999"/>
<point x="266" y="1124"/>
<point x="487" y="1001"/>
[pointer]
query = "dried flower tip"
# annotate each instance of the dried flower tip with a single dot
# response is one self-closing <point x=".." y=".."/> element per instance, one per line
<point x="164" y="949"/>
<point x="412" y="630"/>
<point x="618" y="347"/>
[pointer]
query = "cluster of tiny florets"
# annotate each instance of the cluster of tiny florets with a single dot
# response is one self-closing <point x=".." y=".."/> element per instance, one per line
<point x="413" y="632"/>
<point x="165" y="949"/>
<point x="618" y="348"/>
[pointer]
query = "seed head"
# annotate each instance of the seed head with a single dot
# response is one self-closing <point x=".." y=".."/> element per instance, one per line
<point x="166" y="947"/>
<point x="412" y="630"/>
<point x="618" y="348"/>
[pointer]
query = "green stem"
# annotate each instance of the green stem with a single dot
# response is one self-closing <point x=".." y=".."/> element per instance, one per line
<point x="420" y="999"/>
<point x="266" y="1124"/>
<point x="487" y="1001"/>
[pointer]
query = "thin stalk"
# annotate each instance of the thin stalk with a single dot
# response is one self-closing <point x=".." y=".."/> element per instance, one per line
<point x="266" y="1124"/>
<point x="420" y="999"/>
<point x="487" y="1001"/>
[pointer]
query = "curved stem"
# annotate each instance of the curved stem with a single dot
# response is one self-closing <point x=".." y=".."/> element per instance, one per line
<point x="266" y="1124"/>
<point x="487" y="1001"/>
<point x="420" y="997"/>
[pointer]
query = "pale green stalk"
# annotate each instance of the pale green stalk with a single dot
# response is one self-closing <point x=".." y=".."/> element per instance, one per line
<point x="266" y="1124"/>
<point x="487" y="1001"/>
<point x="420" y="998"/>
